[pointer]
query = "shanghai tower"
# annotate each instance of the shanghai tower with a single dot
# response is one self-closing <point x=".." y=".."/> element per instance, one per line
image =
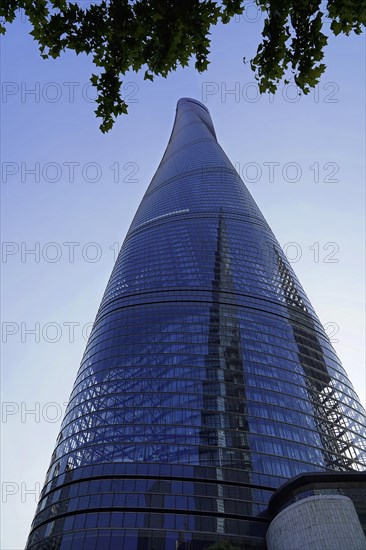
<point x="208" y="380"/>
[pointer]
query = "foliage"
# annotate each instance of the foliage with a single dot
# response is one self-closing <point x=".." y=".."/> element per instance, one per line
<point x="160" y="35"/>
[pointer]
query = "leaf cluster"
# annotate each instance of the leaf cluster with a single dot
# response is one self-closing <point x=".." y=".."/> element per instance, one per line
<point x="157" y="36"/>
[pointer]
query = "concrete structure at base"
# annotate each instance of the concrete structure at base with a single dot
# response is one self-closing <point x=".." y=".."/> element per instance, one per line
<point x="321" y="522"/>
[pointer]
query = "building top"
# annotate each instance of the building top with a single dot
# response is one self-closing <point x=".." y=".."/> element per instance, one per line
<point x="190" y="100"/>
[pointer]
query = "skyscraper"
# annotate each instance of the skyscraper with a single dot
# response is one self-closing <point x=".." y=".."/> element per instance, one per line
<point x="207" y="381"/>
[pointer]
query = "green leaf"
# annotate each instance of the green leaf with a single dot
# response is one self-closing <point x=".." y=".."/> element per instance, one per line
<point x="159" y="36"/>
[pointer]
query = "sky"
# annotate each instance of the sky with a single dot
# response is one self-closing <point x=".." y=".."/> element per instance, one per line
<point x="70" y="192"/>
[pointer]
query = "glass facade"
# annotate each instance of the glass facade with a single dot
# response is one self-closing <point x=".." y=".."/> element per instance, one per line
<point x="207" y="380"/>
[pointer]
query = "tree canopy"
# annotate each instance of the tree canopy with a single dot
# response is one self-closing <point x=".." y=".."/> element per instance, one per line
<point x="157" y="36"/>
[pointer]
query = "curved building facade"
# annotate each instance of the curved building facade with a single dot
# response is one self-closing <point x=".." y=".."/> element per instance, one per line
<point x="207" y="381"/>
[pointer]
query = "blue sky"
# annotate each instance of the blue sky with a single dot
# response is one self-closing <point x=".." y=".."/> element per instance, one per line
<point x="303" y="161"/>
